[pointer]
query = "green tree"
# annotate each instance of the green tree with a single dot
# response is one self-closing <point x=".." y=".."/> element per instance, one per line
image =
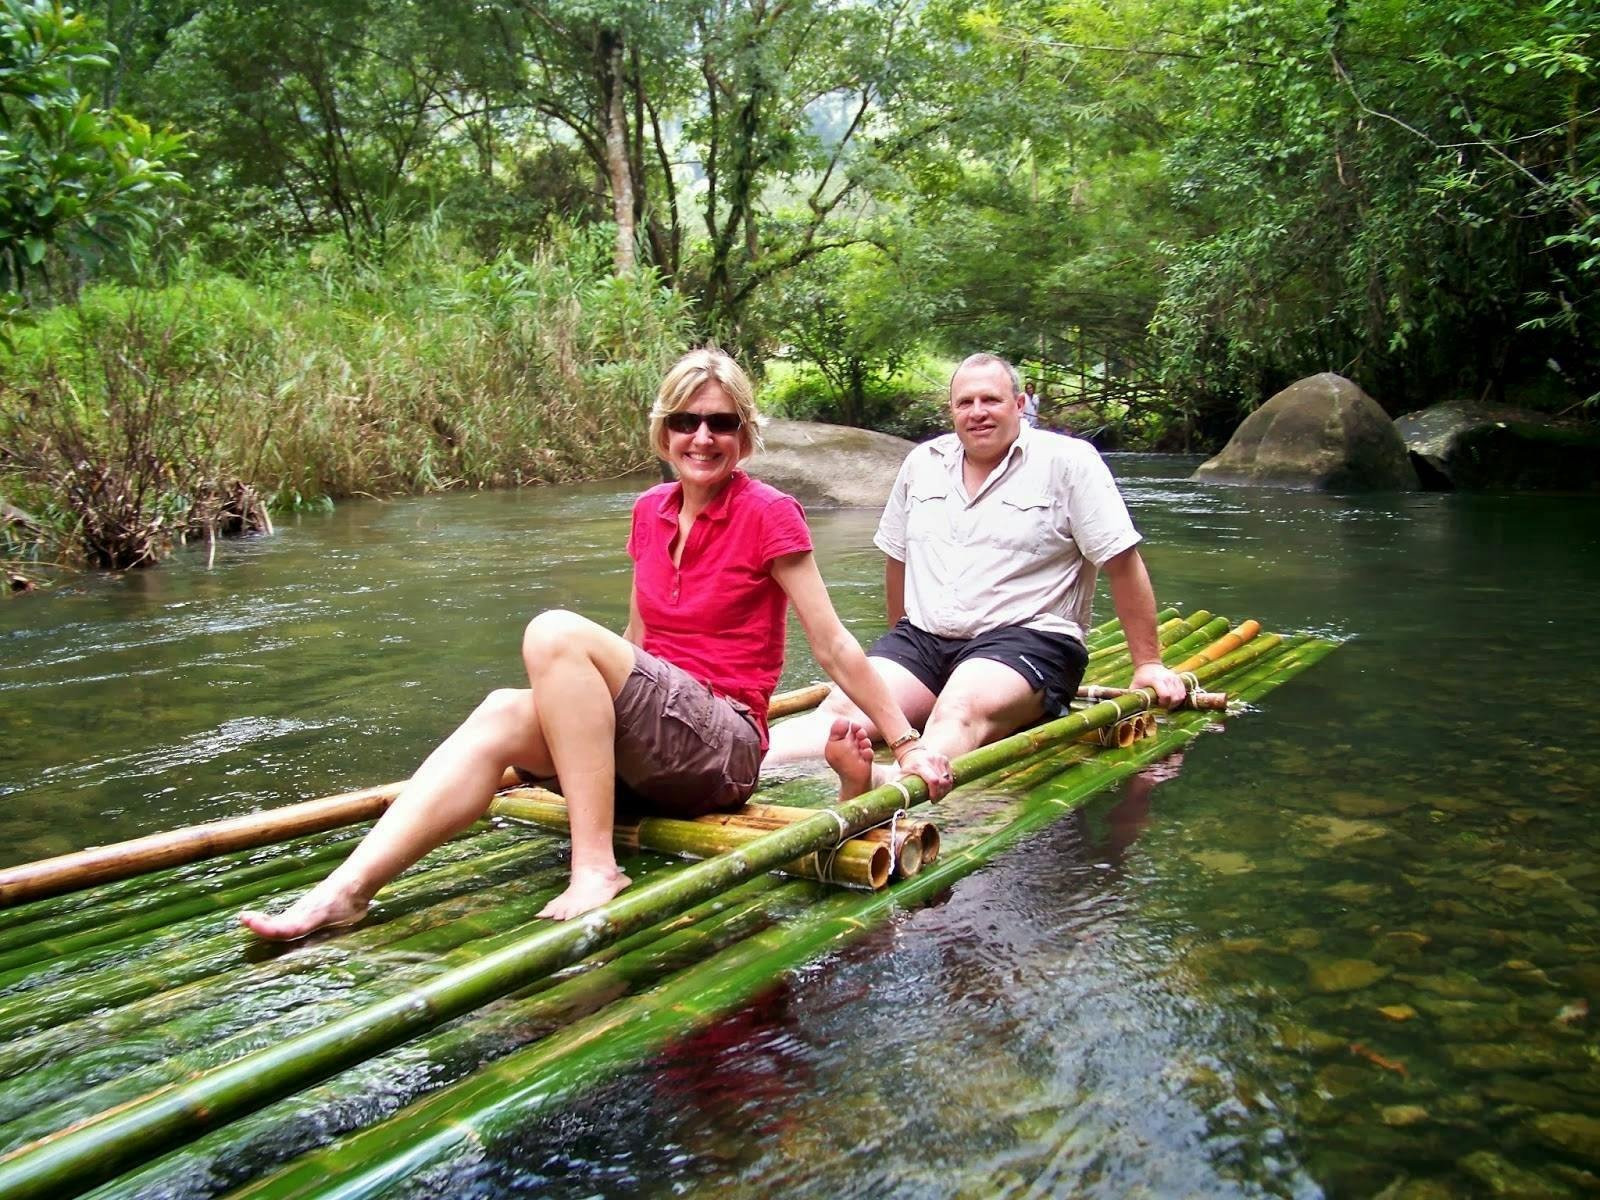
<point x="1402" y="193"/>
<point x="76" y="179"/>
<point x="329" y="116"/>
<point x="849" y="313"/>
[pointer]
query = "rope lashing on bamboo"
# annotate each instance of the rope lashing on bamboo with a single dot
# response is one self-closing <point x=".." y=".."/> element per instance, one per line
<point x="825" y="868"/>
<point x="1120" y="735"/>
<point x="900" y="849"/>
<point x="1194" y="695"/>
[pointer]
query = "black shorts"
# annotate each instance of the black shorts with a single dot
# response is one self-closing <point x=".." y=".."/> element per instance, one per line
<point x="1052" y="663"/>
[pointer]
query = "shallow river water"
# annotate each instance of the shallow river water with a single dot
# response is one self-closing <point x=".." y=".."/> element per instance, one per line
<point x="1347" y="946"/>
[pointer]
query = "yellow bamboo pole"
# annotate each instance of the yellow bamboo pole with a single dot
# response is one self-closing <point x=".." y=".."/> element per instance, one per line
<point x="1226" y="644"/>
<point x="854" y="863"/>
<point x="101" y="864"/>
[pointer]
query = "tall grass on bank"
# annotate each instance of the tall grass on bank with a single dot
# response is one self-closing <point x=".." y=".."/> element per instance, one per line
<point x="323" y="377"/>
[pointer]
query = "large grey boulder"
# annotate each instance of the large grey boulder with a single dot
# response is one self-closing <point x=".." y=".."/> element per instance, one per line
<point x="829" y="466"/>
<point x="1473" y="446"/>
<point x="1320" y="432"/>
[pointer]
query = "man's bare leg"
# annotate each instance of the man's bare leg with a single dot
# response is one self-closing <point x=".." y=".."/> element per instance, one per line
<point x="983" y="701"/>
<point x="806" y="736"/>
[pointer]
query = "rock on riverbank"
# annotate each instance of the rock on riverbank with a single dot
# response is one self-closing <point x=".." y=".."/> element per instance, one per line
<point x="1320" y="432"/>
<point x="829" y="466"/>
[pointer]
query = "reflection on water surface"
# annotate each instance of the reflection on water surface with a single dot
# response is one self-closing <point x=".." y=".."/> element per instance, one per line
<point x="1348" y="948"/>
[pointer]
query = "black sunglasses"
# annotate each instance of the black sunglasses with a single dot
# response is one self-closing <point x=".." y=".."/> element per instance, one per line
<point x="690" y="422"/>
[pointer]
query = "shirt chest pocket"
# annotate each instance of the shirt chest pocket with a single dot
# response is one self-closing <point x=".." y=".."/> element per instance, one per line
<point x="1020" y="523"/>
<point x="929" y="512"/>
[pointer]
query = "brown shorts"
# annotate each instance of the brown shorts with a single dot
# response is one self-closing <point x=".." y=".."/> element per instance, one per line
<point x="681" y="750"/>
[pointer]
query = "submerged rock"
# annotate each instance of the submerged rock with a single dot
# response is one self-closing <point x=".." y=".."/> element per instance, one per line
<point x="1224" y="862"/>
<point x="1321" y="432"/>
<point x="1517" y="1056"/>
<point x="1502" y="1178"/>
<point x="1345" y="975"/>
<point x="1359" y="804"/>
<point x="1301" y="1039"/>
<point x="1406" y="1188"/>
<point x="1510" y="1089"/>
<point x="1401" y="1115"/>
<point x="1573" y="1133"/>
<point x="1455" y="987"/>
<point x="1351" y="892"/>
<point x="1333" y="832"/>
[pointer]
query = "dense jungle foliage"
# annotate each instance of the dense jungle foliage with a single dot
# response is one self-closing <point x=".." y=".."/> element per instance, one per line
<point x="348" y="246"/>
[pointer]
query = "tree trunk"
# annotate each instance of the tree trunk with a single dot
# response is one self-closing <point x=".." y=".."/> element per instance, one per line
<point x="617" y="164"/>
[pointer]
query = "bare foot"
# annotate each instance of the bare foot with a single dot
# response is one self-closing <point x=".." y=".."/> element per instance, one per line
<point x="328" y="905"/>
<point x="849" y="753"/>
<point x="589" y="889"/>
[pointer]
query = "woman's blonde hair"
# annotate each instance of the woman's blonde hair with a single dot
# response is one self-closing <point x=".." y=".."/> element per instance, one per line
<point x="691" y="373"/>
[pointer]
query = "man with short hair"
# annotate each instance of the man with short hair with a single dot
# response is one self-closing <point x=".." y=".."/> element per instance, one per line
<point x="993" y="537"/>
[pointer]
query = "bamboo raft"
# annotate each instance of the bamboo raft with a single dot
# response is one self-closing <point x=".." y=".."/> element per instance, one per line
<point x="150" y="1047"/>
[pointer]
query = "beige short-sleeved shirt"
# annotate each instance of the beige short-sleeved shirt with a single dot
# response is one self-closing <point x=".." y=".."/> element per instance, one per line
<point x="1024" y="551"/>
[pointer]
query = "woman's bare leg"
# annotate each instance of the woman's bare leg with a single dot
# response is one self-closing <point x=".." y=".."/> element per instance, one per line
<point x="451" y="789"/>
<point x="580" y="667"/>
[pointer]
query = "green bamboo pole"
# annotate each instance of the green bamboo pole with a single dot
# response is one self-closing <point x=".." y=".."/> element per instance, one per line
<point x="1117" y="667"/>
<point x="502" y="1097"/>
<point x="1235" y="639"/>
<point x="897" y="835"/>
<point x="118" y="954"/>
<point x="1165" y="632"/>
<point x="1111" y="630"/>
<point x="171" y="919"/>
<point x="115" y="1003"/>
<point x="82" y="1084"/>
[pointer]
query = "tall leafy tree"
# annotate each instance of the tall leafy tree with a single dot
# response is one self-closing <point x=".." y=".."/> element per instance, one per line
<point x="75" y="178"/>
<point x="324" y="115"/>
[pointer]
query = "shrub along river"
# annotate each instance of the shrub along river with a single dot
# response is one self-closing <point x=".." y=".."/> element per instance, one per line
<point x="1348" y="945"/>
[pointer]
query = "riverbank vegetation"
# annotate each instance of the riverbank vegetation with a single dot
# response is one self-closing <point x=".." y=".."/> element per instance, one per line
<point x="352" y="246"/>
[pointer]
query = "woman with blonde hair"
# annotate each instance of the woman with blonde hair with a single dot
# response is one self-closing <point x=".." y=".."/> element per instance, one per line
<point x="674" y="707"/>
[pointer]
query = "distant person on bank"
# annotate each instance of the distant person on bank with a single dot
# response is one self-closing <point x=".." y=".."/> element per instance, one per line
<point x="1030" y="406"/>
<point x="675" y="706"/>
<point x="993" y="538"/>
